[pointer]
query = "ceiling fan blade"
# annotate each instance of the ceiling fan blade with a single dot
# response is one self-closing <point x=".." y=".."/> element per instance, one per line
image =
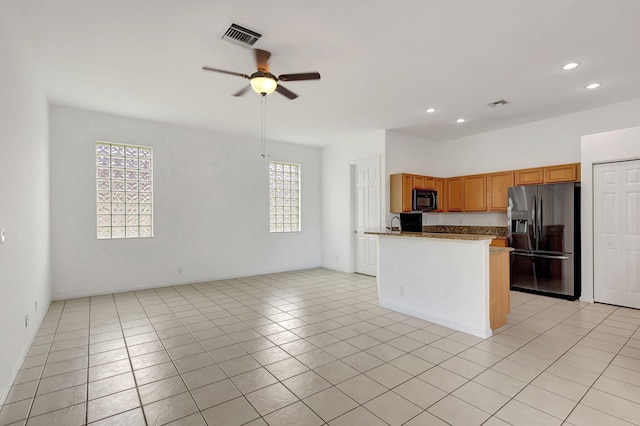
<point x="226" y="72"/>
<point x="243" y="91"/>
<point x="286" y="92"/>
<point x="262" y="60"/>
<point x="300" y="76"/>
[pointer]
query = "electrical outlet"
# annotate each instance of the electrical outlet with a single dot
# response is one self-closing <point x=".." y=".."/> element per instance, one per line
<point x="401" y="291"/>
<point x="36" y="308"/>
<point x="26" y="320"/>
<point x="179" y="269"/>
<point x="2" y="237"/>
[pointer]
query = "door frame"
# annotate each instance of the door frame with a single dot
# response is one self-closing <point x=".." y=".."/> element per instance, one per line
<point x="352" y="203"/>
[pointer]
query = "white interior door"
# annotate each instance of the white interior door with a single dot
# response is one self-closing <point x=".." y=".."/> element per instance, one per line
<point x="616" y="218"/>
<point x="366" y="213"/>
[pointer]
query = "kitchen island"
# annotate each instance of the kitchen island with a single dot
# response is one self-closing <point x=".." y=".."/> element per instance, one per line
<point x="439" y="277"/>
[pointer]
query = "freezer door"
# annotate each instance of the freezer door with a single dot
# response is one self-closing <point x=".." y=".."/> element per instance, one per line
<point x="556" y="218"/>
<point x="543" y="273"/>
<point x="521" y="217"/>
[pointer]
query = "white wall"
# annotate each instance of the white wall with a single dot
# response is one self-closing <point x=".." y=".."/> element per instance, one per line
<point x="600" y="148"/>
<point x="337" y="232"/>
<point x="24" y="202"/>
<point x="211" y="206"/>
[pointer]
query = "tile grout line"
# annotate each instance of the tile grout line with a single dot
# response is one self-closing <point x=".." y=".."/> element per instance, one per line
<point x="135" y="380"/>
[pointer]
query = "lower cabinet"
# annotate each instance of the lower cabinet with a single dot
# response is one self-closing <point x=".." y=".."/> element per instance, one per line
<point x="499" y="296"/>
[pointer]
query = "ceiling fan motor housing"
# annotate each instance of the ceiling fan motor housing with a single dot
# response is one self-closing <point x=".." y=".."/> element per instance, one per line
<point x="263" y="83"/>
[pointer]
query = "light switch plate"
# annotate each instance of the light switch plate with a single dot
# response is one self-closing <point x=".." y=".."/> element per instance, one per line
<point x="1" y="235"/>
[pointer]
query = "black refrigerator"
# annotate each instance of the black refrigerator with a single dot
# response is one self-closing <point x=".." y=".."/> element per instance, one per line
<point x="544" y="230"/>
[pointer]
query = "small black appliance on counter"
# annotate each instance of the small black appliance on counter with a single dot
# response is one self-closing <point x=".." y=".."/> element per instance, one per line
<point x="411" y="222"/>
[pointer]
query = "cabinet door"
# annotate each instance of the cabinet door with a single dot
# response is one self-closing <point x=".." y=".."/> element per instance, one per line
<point x="562" y="173"/>
<point x="429" y="182"/>
<point x="530" y="176"/>
<point x="407" y="192"/>
<point x="418" y="182"/>
<point x="475" y="193"/>
<point x="438" y="185"/>
<point x="498" y="185"/>
<point x="454" y="194"/>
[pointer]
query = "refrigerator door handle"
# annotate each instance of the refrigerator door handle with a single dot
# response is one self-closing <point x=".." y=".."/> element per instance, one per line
<point x="540" y="220"/>
<point x="534" y="217"/>
<point x="543" y="256"/>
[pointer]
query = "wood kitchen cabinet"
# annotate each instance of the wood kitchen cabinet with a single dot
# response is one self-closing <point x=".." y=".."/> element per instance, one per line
<point x="497" y="191"/>
<point x="439" y="185"/>
<point x="562" y="173"/>
<point x="549" y="174"/>
<point x="533" y="176"/>
<point x="454" y="194"/>
<point x="499" y="296"/>
<point x="423" y="182"/>
<point x="475" y="193"/>
<point x="401" y="185"/>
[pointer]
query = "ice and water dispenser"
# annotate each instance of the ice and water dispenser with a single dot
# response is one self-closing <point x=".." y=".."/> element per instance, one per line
<point x="519" y="221"/>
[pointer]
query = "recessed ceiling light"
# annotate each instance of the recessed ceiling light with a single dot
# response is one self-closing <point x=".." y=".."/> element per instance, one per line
<point x="460" y="120"/>
<point x="570" y="66"/>
<point x="431" y="110"/>
<point x="592" y="86"/>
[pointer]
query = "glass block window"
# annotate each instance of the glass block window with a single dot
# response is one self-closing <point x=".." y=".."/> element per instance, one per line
<point x="124" y="183"/>
<point x="284" y="197"/>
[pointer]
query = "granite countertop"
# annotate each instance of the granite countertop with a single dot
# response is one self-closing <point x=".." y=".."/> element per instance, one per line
<point x="495" y="231"/>
<point x="448" y="236"/>
<point x="498" y="250"/>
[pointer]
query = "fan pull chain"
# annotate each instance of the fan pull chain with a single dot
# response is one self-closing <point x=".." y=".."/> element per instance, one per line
<point x="263" y="111"/>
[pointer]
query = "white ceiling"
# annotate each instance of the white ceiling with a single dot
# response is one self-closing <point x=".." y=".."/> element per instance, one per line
<point x="382" y="62"/>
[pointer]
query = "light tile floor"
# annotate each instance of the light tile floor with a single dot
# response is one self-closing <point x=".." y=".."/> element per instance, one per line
<point x="311" y="348"/>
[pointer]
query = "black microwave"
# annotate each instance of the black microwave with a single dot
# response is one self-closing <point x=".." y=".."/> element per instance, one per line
<point x="424" y="200"/>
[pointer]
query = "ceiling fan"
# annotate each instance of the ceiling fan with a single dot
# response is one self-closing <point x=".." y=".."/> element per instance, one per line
<point x="265" y="83"/>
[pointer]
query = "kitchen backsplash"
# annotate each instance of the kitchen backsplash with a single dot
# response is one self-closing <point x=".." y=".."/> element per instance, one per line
<point x="466" y="219"/>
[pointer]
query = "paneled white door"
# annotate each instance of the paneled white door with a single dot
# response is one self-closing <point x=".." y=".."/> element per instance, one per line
<point x="366" y="213"/>
<point x="616" y="218"/>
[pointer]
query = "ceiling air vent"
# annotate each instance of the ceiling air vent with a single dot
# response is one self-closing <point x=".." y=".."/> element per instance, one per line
<point x="499" y="103"/>
<point x="241" y="35"/>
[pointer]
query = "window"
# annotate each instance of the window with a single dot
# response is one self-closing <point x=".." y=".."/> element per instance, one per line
<point x="124" y="176"/>
<point x="284" y="197"/>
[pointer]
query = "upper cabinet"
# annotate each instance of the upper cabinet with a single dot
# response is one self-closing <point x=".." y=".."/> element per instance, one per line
<point x="401" y="186"/>
<point x="550" y="174"/>
<point x="533" y="176"/>
<point x="562" y="173"/>
<point x="454" y="190"/>
<point x="400" y="192"/>
<point x="497" y="190"/>
<point x="475" y="193"/>
<point x="439" y="185"/>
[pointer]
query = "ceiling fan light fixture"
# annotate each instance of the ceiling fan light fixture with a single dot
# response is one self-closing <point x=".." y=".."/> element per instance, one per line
<point x="263" y="83"/>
